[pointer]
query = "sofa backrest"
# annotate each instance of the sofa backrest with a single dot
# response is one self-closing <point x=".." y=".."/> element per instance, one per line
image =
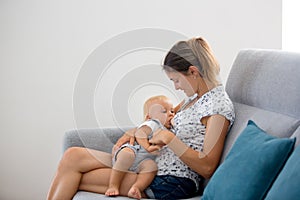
<point x="264" y="86"/>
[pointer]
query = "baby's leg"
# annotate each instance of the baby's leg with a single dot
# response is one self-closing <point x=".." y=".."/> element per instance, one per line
<point x="124" y="161"/>
<point x="147" y="172"/>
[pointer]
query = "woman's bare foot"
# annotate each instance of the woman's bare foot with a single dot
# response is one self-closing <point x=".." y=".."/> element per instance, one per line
<point x="112" y="191"/>
<point x="135" y="192"/>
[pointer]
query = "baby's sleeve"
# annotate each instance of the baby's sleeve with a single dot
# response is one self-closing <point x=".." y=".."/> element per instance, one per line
<point x="153" y="124"/>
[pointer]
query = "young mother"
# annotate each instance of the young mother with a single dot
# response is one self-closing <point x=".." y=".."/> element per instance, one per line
<point x="188" y="156"/>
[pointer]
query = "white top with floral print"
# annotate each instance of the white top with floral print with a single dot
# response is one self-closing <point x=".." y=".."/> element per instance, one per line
<point x="189" y="129"/>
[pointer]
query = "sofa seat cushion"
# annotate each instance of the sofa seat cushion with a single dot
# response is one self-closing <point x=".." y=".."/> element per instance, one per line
<point x="250" y="167"/>
<point x="82" y="195"/>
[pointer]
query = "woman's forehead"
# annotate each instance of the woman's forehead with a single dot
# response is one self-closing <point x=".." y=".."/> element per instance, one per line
<point x="173" y="74"/>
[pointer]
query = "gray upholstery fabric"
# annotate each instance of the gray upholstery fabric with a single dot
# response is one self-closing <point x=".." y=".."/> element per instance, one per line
<point x="98" y="139"/>
<point x="93" y="196"/>
<point x="273" y="123"/>
<point x="266" y="79"/>
<point x="296" y="134"/>
<point x="264" y="86"/>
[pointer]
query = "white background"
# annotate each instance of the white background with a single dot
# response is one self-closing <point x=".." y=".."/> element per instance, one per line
<point x="44" y="43"/>
<point x="290" y="28"/>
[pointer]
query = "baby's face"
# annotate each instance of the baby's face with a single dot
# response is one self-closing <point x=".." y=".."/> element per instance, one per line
<point x="163" y="111"/>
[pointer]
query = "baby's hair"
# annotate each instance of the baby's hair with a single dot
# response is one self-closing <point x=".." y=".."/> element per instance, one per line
<point x="149" y="102"/>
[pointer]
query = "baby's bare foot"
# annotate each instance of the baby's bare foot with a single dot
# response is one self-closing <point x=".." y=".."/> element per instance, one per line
<point x="134" y="192"/>
<point x="112" y="191"/>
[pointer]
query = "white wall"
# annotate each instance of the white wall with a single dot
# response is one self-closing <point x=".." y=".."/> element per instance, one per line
<point x="290" y="31"/>
<point x="44" y="44"/>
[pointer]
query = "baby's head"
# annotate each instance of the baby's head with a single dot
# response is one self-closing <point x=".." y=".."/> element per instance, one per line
<point x="159" y="108"/>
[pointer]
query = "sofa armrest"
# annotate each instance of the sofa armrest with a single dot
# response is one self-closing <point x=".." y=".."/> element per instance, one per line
<point x="101" y="139"/>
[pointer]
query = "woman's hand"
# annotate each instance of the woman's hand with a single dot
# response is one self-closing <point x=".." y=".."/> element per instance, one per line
<point x="128" y="137"/>
<point x="154" y="149"/>
<point x="161" y="137"/>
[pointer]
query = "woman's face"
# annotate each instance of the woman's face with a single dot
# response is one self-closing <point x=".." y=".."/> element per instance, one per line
<point x="183" y="82"/>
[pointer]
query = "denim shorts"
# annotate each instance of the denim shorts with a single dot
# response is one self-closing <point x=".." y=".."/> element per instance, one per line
<point x="171" y="187"/>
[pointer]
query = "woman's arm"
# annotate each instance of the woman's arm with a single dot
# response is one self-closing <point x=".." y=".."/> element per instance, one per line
<point x="141" y="136"/>
<point x="128" y="136"/>
<point x="205" y="162"/>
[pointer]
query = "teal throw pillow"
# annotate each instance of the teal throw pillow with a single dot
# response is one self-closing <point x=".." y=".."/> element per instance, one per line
<point x="250" y="167"/>
<point x="286" y="185"/>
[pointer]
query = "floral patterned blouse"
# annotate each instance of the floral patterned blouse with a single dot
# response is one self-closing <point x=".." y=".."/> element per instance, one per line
<point x="189" y="129"/>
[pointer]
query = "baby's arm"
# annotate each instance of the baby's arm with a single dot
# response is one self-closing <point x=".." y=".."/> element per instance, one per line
<point x="141" y="136"/>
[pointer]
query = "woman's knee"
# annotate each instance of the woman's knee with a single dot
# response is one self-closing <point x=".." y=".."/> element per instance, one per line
<point x="72" y="155"/>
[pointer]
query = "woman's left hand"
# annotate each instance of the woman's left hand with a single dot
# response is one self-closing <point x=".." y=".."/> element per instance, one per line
<point x="161" y="137"/>
<point x="128" y="136"/>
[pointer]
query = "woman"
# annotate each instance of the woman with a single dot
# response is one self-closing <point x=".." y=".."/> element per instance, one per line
<point x="187" y="157"/>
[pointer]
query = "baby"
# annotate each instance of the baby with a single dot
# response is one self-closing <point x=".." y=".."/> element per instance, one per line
<point x="139" y="158"/>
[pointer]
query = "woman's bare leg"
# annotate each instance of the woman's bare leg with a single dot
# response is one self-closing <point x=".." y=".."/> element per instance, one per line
<point x="74" y="163"/>
<point x="98" y="180"/>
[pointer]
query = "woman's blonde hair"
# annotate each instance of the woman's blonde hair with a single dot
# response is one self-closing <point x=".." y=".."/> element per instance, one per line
<point x="193" y="52"/>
